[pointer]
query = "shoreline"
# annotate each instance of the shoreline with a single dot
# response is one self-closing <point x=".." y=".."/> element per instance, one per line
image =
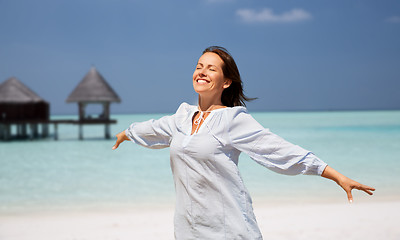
<point x="360" y="220"/>
<point x="169" y="202"/>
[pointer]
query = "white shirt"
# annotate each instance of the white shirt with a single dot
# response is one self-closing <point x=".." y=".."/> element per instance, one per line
<point x="211" y="199"/>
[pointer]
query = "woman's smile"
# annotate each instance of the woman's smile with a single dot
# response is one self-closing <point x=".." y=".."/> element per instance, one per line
<point x="202" y="81"/>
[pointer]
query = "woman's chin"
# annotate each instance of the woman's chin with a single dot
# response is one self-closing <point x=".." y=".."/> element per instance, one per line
<point x="200" y="89"/>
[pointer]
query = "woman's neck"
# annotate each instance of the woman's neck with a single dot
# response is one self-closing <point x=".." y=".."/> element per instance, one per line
<point x="210" y="104"/>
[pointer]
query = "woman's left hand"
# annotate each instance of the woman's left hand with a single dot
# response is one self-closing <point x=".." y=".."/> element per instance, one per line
<point x="346" y="183"/>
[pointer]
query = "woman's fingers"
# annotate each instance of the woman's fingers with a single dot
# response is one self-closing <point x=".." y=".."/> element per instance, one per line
<point x="358" y="186"/>
<point x="349" y="196"/>
<point x="366" y="189"/>
<point x="116" y="145"/>
<point x="117" y="142"/>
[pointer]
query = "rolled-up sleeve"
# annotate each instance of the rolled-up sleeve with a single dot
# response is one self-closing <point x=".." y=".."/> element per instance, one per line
<point x="270" y="150"/>
<point x="154" y="134"/>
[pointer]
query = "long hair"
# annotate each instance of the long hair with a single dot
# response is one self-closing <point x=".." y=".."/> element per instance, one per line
<point x="233" y="95"/>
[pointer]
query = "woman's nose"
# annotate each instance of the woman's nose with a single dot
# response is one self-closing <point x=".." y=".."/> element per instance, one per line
<point x="202" y="72"/>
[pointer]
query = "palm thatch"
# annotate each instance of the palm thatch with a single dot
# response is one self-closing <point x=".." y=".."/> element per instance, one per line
<point x="93" y="88"/>
<point x="14" y="91"/>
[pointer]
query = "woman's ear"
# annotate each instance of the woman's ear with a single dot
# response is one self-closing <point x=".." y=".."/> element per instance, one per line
<point x="227" y="83"/>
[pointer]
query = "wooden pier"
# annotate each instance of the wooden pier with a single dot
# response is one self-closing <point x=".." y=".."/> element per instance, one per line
<point x="23" y="110"/>
<point x="37" y="129"/>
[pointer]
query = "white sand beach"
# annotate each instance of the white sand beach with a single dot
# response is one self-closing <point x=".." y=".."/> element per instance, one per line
<point x="366" y="221"/>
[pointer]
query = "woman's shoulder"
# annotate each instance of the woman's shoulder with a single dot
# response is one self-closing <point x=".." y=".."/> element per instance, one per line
<point x="236" y="111"/>
<point x="240" y="117"/>
<point x="185" y="108"/>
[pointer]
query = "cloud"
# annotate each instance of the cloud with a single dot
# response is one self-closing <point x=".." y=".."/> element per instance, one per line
<point x="393" y="19"/>
<point x="267" y="15"/>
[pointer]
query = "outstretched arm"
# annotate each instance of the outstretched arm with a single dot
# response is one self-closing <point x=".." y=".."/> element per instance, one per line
<point x="120" y="138"/>
<point x="346" y="183"/>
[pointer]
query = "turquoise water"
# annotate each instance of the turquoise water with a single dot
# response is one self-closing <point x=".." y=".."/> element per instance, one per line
<point x="73" y="174"/>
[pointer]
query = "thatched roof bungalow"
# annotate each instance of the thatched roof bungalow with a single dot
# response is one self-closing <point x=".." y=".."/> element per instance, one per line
<point x="93" y="89"/>
<point x="19" y="103"/>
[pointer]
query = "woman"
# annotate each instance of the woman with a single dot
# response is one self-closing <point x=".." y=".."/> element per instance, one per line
<point x="206" y="140"/>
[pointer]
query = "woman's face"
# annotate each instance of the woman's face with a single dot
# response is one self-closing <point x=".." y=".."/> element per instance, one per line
<point x="208" y="77"/>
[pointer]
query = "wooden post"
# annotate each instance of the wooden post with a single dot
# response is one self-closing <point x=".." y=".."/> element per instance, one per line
<point x="19" y="130"/>
<point x="80" y="131"/>
<point x="56" y="131"/>
<point x="106" y="116"/>
<point x="7" y="132"/>
<point x="23" y="130"/>
<point x="31" y="136"/>
<point x="106" y="110"/>
<point x="35" y="130"/>
<point x="82" y="107"/>
<point x="45" y="130"/>
<point x="107" y="131"/>
<point x="2" y="131"/>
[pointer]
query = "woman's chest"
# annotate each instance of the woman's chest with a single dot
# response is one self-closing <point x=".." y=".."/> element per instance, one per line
<point x="200" y="146"/>
<point x="200" y="142"/>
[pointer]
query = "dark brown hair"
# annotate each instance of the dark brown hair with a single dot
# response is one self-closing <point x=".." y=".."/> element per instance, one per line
<point x="233" y="95"/>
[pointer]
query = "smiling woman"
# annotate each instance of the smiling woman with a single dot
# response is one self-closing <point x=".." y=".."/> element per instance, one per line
<point x="205" y="142"/>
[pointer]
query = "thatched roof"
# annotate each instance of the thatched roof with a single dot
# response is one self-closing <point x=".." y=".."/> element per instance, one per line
<point x="14" y="91"/>
<point x="93" y="88"/>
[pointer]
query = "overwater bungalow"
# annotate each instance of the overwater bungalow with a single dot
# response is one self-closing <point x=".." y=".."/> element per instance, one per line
<point x="94" y="89"/>
<point x="23" y="108"/>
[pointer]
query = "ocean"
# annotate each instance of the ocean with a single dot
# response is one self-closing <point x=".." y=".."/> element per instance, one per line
<point x="69" y="174"/>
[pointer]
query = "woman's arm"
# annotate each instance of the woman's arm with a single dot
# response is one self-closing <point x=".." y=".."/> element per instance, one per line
<point x="346" y="183"/>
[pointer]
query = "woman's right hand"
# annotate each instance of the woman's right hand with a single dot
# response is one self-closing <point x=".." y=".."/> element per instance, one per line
<point x="120" y="138"/>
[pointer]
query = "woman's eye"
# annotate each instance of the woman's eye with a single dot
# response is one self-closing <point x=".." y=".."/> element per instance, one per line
<point x="212" y="69"/>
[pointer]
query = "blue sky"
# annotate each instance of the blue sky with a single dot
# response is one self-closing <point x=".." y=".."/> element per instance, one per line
<point x="292" y="55"/>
